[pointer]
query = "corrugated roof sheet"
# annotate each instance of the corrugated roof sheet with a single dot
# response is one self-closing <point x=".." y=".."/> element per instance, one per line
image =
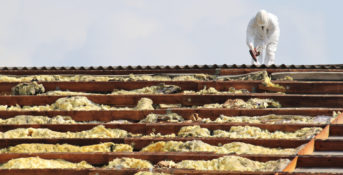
<point x="214" y="66"/>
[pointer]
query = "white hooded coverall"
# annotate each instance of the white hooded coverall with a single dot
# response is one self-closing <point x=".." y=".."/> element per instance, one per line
<point x="263" y="35"/>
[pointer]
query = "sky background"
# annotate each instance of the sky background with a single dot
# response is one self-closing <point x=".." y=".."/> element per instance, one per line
<point x="162" y="32"/>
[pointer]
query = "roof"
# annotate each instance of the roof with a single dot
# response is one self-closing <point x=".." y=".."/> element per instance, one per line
<point x="311" y="98"/>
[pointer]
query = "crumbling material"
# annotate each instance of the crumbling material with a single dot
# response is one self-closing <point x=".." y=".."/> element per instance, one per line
<point x="268" y="85"/>
<point x="159" y="89"/>
<point x="258" y="133"/>
<point x="258" y="75"/>
<point x="229" y="148"/>
<point x="271" y="119"/>
<point x="253" y="103"/>
<point x="212" y="90"/>
<point x="120" y="163"/>
<point x="97" y="78"/>
<point x="31" y="88"/>
<point x="248" y="132"/>
<point x="39" y="163"/>
<point x="232" y="163"/>
<point x="43" y="148"/>
<point x="155" y="118"/>
<point x="78" y="103"/>
<point x="30" y="119"/>
<point x="97" y="132"/>
<point x="150" y="173"/>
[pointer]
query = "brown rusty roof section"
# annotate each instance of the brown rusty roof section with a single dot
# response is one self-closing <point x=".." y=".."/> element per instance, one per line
<point x="214" y="66"/>
<point x="210" y="69"/>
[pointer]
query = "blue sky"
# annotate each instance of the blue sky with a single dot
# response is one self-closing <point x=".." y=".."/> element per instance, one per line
<point x="162" y="32"/>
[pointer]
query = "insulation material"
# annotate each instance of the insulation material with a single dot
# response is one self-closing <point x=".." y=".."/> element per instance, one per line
<point x="31" y="88"/>
<point x="159" y="135"/>
<point x="120" y="163"/>
<point x="159" y="89"/>
<point x="233" y="163"/>
<point x="199" y="146"/>
<point x="144" y="104"/>
<point x="155" y="118"/>
<point x="258" y="133"/>
<point x="83" y="78"/>
<point x="212" y="90"/>
<point x="267" y="82"/>
<point x="253" y="103"/>
<point x="194" y="131"/>
<point x="66" y="93"/>
<point x="169" y="106"/>
<point x="38" y="163"/>
<point x="78" y="103"/>
<point x="97" y="132"/>
<point x="30" y="119"/>
<point x="242" y="132"/>
<point x="43" y="148"/>
<point x="258" y="75"/>
<point x="150" y="173"/>
<point x="271" y="119"/>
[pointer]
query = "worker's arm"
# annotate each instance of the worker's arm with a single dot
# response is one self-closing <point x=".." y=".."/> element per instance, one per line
<point x="250" y="39"/>
<point x="273" y="34"/>
<point x="251" y="35"/>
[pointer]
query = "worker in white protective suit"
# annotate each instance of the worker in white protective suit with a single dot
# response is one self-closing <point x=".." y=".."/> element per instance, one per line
<point x="262" y="37"/>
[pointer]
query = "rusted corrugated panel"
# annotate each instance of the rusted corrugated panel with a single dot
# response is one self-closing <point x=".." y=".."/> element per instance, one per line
<point x="158" y="67"/>
<point x="211" y="69"/>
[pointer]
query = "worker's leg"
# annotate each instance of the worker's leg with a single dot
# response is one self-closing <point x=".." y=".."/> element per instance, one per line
<point x="270" y="53"/>
<point x="261" y="56"/>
